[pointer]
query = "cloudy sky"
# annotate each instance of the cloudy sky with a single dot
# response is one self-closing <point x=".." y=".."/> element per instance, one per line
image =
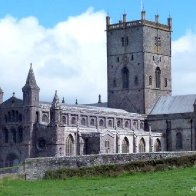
<point x="66" y="43"/>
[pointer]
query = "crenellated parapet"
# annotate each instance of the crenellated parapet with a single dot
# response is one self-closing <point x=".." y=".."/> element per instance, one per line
<point x="123" y="24"/>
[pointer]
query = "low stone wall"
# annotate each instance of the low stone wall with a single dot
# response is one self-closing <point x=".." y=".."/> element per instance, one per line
<point x="35" y="168"/>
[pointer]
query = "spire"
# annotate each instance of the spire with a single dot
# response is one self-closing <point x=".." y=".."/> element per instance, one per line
<point x="99" y="99"/>
<point x="55" y="102"/>
<point x="31" y="82"/>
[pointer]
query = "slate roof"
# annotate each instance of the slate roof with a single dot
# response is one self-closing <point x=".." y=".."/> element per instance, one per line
<point x="91" y="109"/>
<point x="174" y="104"/>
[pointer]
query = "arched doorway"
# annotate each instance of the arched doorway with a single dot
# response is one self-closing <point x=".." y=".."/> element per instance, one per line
<point x="69" y="146"/>
<point x="157" y="145"/>
<point x="142" y="145"/>
<point x="11" y="160"/>
<point x="125" y="145"/>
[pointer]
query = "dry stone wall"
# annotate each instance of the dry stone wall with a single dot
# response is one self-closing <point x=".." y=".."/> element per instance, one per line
<point x="35" y="168"/>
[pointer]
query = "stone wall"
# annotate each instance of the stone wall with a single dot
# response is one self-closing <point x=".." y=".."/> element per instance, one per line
<point x="35" y="168"/>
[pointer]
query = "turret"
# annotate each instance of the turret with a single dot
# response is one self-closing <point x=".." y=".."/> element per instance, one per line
<point x="143" y="15"/>
<point x="31" y="90"/>
<point x="1" y="96"/>
<point x="55" y="110"/>
<point x="169" y="23"/>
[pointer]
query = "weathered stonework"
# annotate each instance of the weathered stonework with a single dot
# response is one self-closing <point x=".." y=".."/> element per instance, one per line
<point x="140" y="115"/>
<point x="35" y="168"/>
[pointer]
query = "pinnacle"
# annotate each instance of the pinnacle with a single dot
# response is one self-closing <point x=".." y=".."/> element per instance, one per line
<point x="31" y="82"/>
<point x="56" y="102"/>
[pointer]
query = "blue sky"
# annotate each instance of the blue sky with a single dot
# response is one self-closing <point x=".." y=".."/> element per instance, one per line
<point x="66" y="42"/>
<point x="50" y="12"/>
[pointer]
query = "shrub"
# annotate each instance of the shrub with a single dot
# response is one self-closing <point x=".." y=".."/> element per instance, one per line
<point x="117" y="169"/>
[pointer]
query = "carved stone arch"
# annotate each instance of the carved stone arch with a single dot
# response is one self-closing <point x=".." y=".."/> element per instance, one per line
<point x="69" y="145"/>
<point x="157" y="145"/>
<point x="125" y="145"/>
<point x="142" y="145"/>
<point x="125" y="77"/>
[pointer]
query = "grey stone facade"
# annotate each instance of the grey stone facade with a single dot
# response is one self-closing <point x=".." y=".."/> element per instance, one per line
<point x="139" y="77"/>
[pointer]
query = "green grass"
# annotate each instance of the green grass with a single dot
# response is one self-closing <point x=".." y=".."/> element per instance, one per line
<point x="172" y="182"/>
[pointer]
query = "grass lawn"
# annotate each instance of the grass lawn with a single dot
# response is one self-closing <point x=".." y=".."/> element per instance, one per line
<point x="174" y="182"/>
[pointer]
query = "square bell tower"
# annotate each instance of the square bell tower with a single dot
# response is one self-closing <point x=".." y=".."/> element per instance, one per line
<point x="138" y="63"/>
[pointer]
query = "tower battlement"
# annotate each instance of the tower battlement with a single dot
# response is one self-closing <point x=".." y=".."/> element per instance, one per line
<point x="123" y="24"/>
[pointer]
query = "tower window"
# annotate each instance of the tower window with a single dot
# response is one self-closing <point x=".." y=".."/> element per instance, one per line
<point x="126" y="41"/>
<point x="136" y="80"/>
<point x="123" y="41"/>
<point x="158" y="77"/>
<point x="132" y="57"/>
<point x="125" y="77"/>
<point x="153" y="58"/>
<point x="114" y="83"/>
<point x="150" y="80"/>
<point x="117" y="59"/>
<point x="165" y="82"/>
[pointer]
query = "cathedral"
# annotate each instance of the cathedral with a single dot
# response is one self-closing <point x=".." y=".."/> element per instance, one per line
<point x="141" y="115"/>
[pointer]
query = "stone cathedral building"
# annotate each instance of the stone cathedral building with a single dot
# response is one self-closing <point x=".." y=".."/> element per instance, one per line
<point x="141" y="115"/>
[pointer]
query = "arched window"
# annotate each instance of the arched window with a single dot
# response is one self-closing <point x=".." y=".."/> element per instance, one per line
<point x="13" y="131"/>
<point x="45" y="118"/>
<point x="92" y="122"/>
<point x="20" y="135"/>
<point x="83" y="121"/>
<point x="141" y="125"/>
<point x="127" y="124"/>
<point x="73" y="120"/>
<point x="158" y="77"/>
<point x="107" y="146"/>
<point x="125" y="77"/>
<point x="150" y="80"/>
<point x="69" y="151"/>
<point x="110" y="124"/>
<point x="142" y="145"/>
<point x="5" y="131"/>
<point x="119" y="123"/>
<point x="64" y="120"/>
<point x="165" y="82"/>
<point x="101" y="123"/>
<point x="178" y="141"/>
<point x="125" y="145"/>
<point x="157" y="145"/>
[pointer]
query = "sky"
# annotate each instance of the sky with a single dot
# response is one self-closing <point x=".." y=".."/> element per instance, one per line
<point x="66" y="43"/>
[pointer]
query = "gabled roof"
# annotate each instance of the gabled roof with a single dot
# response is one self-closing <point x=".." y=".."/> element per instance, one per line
<point x="174" y="104"/>
<point x="12" y="102"/>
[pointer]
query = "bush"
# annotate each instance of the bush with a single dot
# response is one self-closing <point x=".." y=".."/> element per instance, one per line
<point x="117" y="169"/>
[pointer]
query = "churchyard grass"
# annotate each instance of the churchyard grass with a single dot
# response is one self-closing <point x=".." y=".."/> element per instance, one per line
<point x="181" y="181"/>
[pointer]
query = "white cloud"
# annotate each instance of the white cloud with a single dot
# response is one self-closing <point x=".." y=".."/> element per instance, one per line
<point x="70" y="57"/>
<point x="184" y="64"/>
